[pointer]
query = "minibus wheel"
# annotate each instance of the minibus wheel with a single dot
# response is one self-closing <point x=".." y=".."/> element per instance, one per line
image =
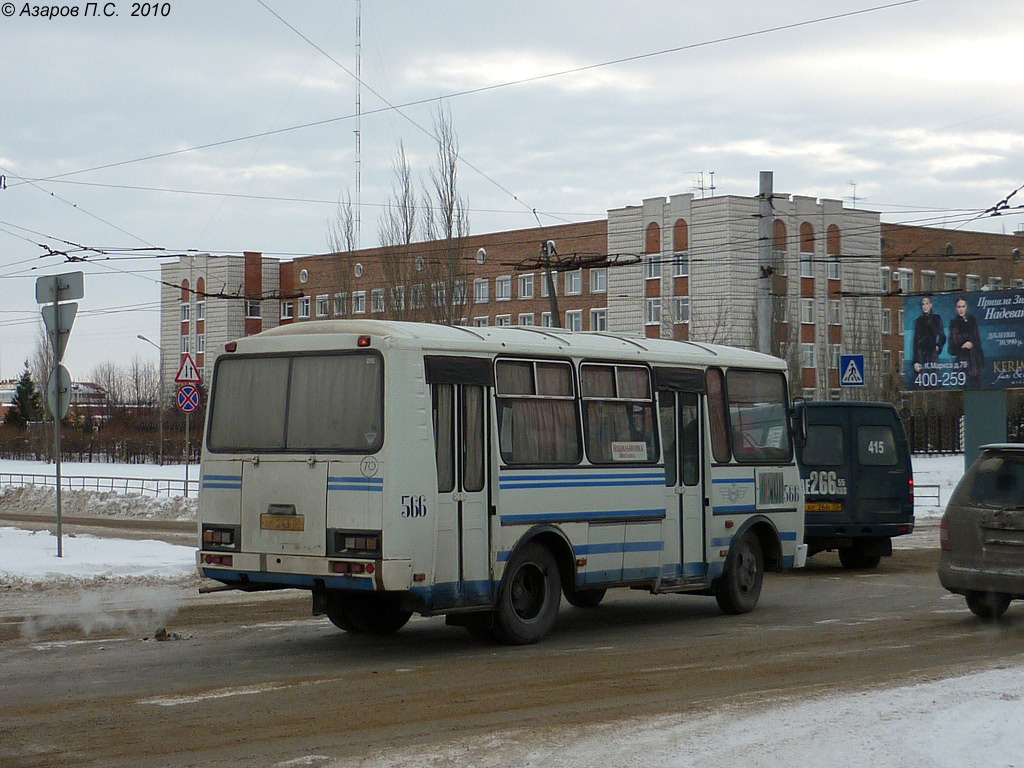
<point x="529" y="597"/>
<point x="739" y="588"/>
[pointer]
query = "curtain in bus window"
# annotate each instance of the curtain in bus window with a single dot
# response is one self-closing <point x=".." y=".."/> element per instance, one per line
<point x="667" y="412"/>
<point x="248" y="405"/>
<point x="538" y="431"/>
<point x="336" y="403"/>
<point x="689" y="437"/>
<point x="472" y="438"/>
<point x="554" y="379"/>
<point x="514" y="377"/>
<point x="716" y="410"/>
<point x="444" y="432"/>
<point x="757" y="416"/>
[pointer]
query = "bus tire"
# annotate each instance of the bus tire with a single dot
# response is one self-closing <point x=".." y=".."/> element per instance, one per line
<point x="529" y="597"/>
<point x="585" y="598"/>
<point x="855" y="558"/>
<point x="987" y="605"/>
<point x="367" y="614"/>
<point x="739" y="588"/>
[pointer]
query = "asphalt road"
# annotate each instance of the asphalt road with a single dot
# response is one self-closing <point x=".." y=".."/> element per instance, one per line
<point x="255" y="680"/>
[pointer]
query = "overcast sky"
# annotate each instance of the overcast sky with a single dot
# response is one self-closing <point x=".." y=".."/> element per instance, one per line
<point x="121" y="133"/>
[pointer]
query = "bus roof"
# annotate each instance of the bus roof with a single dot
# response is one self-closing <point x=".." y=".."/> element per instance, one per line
<point x="532" y="340"/>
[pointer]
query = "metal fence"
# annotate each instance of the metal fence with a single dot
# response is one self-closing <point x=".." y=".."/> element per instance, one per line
<point x="927" y="493"/>
<point x="139" y="486"/>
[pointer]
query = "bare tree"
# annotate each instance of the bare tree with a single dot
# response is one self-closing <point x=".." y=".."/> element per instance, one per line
<point x="111" y="379"/>
<point x="446" y="223"/>
<point x="42" y="362"/>
<point x="341" y="239"/>
<point x="397" y="232"/>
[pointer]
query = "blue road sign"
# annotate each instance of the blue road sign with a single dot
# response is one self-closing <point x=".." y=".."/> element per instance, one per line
<point x="851" y="370"/>
<point x="188" y="398"/>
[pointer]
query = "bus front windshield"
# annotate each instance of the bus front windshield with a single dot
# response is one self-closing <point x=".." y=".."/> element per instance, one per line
<point x="303" y="403"/>
<point x="757" y="415"/>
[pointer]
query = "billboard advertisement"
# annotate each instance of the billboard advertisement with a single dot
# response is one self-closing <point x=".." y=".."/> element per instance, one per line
<point x="964" y="340"/>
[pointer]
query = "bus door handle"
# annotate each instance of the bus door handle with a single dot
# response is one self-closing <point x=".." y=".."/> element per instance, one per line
<point x="680" y="490"/>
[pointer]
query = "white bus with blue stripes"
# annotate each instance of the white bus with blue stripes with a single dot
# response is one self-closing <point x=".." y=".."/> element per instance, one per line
<point x="482" y="473"/>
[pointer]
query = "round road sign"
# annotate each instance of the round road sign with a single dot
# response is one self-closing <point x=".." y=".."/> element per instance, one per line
<point x="188" y="398"/>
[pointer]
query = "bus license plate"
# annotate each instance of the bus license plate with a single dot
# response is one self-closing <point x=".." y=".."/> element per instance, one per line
<point x="282" y="522"/>
<point x="823" y="506"/>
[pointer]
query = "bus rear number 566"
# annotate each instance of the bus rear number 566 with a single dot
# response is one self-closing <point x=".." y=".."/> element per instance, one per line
<point x="414" y="506"/>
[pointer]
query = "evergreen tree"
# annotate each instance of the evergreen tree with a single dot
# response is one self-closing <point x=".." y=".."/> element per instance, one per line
<point x="27" y="405"/>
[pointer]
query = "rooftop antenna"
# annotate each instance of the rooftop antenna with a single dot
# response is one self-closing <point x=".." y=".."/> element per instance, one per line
<point x="700" y="183"/>
<point x="359" y="113"/>
<point x="854" y="185"/>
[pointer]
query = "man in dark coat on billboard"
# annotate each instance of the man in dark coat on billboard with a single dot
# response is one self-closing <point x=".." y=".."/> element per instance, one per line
<point x="928" y="336"/>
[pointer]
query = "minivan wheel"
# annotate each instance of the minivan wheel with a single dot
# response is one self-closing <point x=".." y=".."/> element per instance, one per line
<point x="854" y="558"/>
<point x="987" y="605"/>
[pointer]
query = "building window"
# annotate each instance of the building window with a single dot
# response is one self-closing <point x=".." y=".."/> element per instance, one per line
<point x="806" y="265"/>
<point x="574" y="319"/>
<point x="340" y="304"/>
<point x="886" y="278"/>
<point x="835" y="312"/>
<point x="419" y="296"/>
<point x="899" y="320"/>
<point x="525" y="287"/>
<point x="1018" y="282"/>
<point x="480" y="289"/>
<point x="526" y="318"/>
<point x="833" y="268"/>
<point x="359" y="302"/>
<point x="253" y="309"/>
<point x="545" y="320"/>
<point x="398" y="298"/>
<point x="952" y="281"/>
<point x="886" y="361"/>
<point x="459" y="299"/>
<point x="304" y="306"/>
<point x="652" y="311"/>
<point x="185" y="348"/>
<point x="906" y="280"/>
<point x="503" y="288"/>
<point x="808" y="356"/>
<point x="807" y="311"/>
<point x="886" y="321"/>
<point x="377" y="300"/>
<point x="973" y="283"/>
<point x="833" y="355"/>
<point x="574" y="283"/>
<point x="503" y="320"/>
<point x="652" y="265"/>
<point x="599" y="281"/>
<point x="995" y="283"/>
<point x="544" y="284"/>
<point x="201" y="311"/>
<point x="808" y="394"/>
<point x="599" y="319"/>
<point x="681" y="264"/>
<point x="681" y="309"/>
<point x="287" y="310"/>
<point x="200" y="343"/>
<point x="322" y="302"/>
<point x="186" y="313"/>
<point x="480" y="322"/>
<point x="929" y="282"/>
<point x="439" y="291"/>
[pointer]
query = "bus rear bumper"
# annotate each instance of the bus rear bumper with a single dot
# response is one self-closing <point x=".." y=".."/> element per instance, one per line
<point x="305" y="572"/>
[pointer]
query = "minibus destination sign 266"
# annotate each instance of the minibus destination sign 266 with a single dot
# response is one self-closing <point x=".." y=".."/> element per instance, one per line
<point x="964" y="340"/>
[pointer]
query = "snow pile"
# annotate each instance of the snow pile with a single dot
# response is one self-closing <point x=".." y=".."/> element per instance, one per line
<point x="35" y="499"/>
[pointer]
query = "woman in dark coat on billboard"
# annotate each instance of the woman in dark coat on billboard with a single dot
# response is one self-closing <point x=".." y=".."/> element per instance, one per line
<point x="965" y="344"/>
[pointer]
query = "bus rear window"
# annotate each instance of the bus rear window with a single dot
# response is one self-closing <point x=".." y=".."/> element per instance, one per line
<point x="308" y="403"/>
<point x="824" y="446"/>
<point x="876" y="446"/>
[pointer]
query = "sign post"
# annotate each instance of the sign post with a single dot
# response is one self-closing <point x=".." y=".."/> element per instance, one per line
<point x="188" y="400"/>
<point x="58" y="318"/>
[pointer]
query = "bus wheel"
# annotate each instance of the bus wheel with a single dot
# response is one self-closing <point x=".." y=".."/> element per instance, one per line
<point x="366" y="614"/>
<point x="855" y="558"/>
<point x="528" y="602"/>
<point x="585" y="598"/>
<point x="739" y="588"/>
<point x="987" y="605"/>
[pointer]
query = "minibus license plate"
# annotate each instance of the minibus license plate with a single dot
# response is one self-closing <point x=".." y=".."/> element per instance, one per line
<point x="282" y="522"/>
<point x="823" y="506"/>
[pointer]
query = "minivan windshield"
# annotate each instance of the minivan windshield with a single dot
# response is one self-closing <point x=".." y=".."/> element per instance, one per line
<point x="298" y="403"/>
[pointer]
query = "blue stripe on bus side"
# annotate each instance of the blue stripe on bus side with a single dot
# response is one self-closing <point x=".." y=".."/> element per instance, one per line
<point x="723" y="510"/>
<point x="581" y="480"/>
<point x="230" y="482"/>
<point x="722" y="480"/>
<point x="727" y="540"/>
<point x="600" y="549"/>
<point x="527" y="518"/>
<point x="368" y="484"/>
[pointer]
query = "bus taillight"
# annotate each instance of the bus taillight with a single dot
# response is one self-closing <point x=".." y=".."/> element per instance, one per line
<point x="217" y="559"/>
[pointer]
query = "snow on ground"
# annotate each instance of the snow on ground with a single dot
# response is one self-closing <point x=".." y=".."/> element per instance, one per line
<point x="972" y="720"/>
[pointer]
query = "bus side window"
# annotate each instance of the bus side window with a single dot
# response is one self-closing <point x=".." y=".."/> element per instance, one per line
<point x="689" y="437"/>
<point x="444" y="433"/>
<point x="472" y="438"/>
<point x="667" y="414"/>
<point x="719" y="418"/>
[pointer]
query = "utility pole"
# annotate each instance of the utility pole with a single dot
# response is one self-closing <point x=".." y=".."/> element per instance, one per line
<point x="547" y="249"/>
<point x="764" y="263"/>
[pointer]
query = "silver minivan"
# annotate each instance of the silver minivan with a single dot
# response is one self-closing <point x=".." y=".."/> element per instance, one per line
<point x="982" y="532"/>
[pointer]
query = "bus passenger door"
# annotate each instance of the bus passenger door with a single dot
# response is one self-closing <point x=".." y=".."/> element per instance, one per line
<point x="684" y="479"/>
<point x="461" y="439"/>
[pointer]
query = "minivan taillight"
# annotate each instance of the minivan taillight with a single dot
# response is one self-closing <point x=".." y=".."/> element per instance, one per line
<point x="944" y="534"/>
<point x="910" y="480"/>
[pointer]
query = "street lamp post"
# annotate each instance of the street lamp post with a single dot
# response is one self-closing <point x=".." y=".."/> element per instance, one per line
<point x="160" y="380"/>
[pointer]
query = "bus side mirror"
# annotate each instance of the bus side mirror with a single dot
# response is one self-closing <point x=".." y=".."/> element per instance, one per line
<point x="798" y="425"/>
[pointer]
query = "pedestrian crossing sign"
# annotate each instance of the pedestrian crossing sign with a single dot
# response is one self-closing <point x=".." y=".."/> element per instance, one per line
<point x="851" y="370"/>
